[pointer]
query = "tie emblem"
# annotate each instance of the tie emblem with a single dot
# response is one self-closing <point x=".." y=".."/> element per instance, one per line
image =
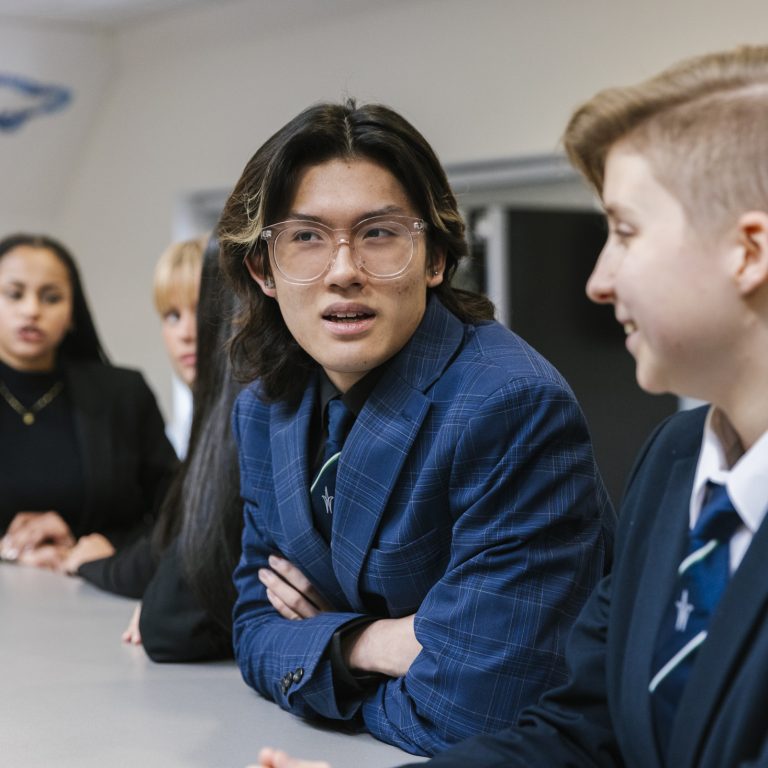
<point x="328" y="501"/>
<point x="684" y="609"/>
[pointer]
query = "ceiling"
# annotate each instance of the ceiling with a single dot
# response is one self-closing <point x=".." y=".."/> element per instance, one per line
<point x="106" y="14"/>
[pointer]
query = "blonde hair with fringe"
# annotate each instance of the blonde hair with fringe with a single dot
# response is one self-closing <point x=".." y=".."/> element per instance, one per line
<point x="177" y="274"/>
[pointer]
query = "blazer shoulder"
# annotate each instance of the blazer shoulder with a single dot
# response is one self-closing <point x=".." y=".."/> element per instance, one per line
<point x="676" y="437"/>
<point x="104" y="374"/>
<point x="495" y="357"/>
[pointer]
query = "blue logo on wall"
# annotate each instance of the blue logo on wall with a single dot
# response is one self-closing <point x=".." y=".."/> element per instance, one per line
<point x="22" y="99"/>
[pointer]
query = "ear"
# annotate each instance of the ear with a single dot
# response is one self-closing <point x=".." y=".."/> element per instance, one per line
<point x="751" y="268"/>
<point x="435" y="268"/>
<point x="266" y="283"/>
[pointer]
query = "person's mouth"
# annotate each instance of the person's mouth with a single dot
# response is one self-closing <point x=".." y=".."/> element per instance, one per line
<point x="30" y="333"/>
<point x="348" y="314"/>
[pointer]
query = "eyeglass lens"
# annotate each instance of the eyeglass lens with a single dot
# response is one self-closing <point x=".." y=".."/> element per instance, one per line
<point x="381" y="248"/>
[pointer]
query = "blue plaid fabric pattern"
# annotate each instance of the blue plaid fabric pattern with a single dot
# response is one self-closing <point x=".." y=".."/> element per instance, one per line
<point x="702" y="577"/>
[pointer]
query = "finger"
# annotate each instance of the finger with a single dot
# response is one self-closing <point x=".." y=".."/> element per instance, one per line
<point x="47" y="556"/>
<point x="266" y="758"/>
<point x="285" y="611"/>
<point x="290" y="573"/>
<point x="8" y="550"/>
<point x="20" y="519"/>
<point x="29" y="537"/>
<point x="287" y="595"/>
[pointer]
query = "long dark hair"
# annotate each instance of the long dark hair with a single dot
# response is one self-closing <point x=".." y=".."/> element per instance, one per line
<point x="82" y="342"/>
<point x="264" y="193"/>
<point x="203" y="505"/>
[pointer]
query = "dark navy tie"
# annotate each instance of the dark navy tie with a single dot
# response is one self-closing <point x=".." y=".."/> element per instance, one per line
<point x="323" y="488"/>
<point x="701" y="578"/>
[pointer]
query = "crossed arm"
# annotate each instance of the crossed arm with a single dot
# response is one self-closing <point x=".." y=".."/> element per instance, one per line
<point x="385" y="646"/>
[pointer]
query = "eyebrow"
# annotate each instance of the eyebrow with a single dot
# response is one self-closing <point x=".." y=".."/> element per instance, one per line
<point x="616" y="211"/>
<point x="45" y="287"/>
<point x="388" y="210"/>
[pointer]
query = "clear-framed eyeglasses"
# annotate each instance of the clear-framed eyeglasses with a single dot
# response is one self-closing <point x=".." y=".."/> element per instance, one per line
<point x="381" y="246"/>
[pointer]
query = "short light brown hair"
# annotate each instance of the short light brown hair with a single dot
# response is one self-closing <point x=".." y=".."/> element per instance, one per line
<point x="701" y="125"/>
<point x="177" y="274"/>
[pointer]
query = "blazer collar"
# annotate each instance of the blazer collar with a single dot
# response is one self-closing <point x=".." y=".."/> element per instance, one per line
<point x="429" y="351"/>
<point x="96" y="450"/>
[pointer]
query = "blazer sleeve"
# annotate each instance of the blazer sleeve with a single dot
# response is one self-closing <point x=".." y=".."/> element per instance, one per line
<point x="125" y="573"/>
<point x="173" y="625"/>
<point x="532" y="537"/>
<point x="571" y="725"/>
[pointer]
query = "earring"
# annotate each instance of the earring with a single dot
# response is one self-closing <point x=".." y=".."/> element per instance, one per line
<point x="435" y="272"/>
<point x="269" y="282"/>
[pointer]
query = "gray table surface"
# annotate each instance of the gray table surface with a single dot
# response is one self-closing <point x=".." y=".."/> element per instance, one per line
<point x="73" y="695"/>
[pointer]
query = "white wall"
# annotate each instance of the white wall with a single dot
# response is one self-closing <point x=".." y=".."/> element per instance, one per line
<point x="193" y="96"/>
<point x="38" y="161"/>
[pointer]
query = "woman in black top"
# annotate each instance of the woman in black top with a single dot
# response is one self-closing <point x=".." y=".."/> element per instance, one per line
<point x="82" y="442"/>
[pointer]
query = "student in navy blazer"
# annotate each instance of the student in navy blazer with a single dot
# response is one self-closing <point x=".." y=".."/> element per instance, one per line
<point x="681" y="164"/>
<point x="469" y="521"/>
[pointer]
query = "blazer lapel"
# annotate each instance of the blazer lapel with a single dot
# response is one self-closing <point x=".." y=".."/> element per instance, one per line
<point x="93" y="438"/>
<point x="382" y="438"/>
<point x="744" y="603"/>
<point x="652" y="594"/>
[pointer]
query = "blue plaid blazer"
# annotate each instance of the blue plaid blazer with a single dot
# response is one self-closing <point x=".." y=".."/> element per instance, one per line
<point x="467" y="493"/>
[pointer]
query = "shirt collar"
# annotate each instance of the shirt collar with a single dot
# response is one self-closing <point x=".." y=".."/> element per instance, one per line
<point x="354" y="398"/>
<point x="723" y="460"/>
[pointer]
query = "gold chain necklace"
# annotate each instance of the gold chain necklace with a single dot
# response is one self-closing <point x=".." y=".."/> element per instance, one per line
<point x="28" y="414"/>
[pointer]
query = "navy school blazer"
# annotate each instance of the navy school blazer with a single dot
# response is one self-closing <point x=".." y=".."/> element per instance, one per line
<point x="467" y="493"/>
<point x="602" y="717"/>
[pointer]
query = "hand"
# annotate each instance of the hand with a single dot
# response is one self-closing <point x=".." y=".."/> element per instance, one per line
<point x="276" y="758"/>
<point x="291" y="593"/>
<point x="132" y="635"/>
<point x="386" y="646"/>
<point x="94" y="546"/>
<point x="29" y="530"/>
<point x="50" y="556"/>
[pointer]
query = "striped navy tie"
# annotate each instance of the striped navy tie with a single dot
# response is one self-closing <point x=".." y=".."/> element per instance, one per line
<point x="701" y="578"/>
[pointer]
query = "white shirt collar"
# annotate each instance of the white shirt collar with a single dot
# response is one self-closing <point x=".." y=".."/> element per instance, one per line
<point x="723" y="461"/>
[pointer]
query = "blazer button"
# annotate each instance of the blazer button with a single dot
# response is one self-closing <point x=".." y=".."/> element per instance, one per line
<point x="297" y="675"/>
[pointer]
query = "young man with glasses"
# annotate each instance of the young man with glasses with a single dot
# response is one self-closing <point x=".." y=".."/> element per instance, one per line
<point x="423" y="514"/>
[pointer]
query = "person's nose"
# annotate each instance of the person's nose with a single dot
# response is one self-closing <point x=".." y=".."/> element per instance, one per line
<point x="30" y="305"/>
<point x="600" y="285"/>
<point x="188" y="326"/>
<point x="344" y="270"/>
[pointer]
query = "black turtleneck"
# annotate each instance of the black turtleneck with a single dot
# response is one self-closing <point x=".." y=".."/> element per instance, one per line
<point x="41" y="464"/>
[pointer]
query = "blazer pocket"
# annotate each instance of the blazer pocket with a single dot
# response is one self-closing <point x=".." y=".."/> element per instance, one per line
<point x="403" y="573"/>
